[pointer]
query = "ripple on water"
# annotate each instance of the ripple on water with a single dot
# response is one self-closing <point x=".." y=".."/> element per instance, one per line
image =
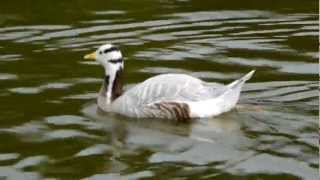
<point x="64" y="84"/>
<point x="97" y="149"/>
<point x="19" y="35"/>
<point x="37" y="90"/>
<point x="276" y="165"/>
<point x="82" y="96"/>
<point x="13" y="173"/>
<point x="7" y="76"/>
<point x="222" y="15"/>
<point x="10" y="57"/>
<point x="283" y="91"/>
<point x="9" y="156"/>
<point x="30" y="161"/>
<point x="282" y="66"/>
<point x="26" y="90"/>
<point x="109" y="12"/>
<point x="110" y="176"/>
<point x="35" y="27"/>
<point x="217" y="153"/>
<point x="30" y="131"/>
<point x="65" y="120"/>
<point x="66" y="134"/>
<point x="22" y="33"/>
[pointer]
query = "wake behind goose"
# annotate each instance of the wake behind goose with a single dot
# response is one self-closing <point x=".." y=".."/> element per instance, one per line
<point x="169" y="96"/>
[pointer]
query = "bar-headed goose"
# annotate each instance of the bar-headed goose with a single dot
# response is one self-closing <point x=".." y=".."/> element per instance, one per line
<point x="170" y="96"/>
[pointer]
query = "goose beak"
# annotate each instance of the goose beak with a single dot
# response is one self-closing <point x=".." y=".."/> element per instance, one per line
<point x="91" y="56"/>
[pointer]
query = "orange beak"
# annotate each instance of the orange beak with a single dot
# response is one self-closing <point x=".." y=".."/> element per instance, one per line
<point x="91" y="56"/>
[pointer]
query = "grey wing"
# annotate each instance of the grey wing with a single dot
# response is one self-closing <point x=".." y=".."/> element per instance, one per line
<point x="215" y="89"/>
<point x="173" y="87"/>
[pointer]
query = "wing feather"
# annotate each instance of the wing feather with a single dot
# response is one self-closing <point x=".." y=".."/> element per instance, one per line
<point x="172" y="87"/>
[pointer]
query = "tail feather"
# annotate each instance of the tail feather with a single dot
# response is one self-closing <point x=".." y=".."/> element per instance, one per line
<point x="223" y="103"/>
<point x="245" y="78"/>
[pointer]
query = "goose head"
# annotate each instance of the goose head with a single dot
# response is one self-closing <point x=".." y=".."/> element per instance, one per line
<point x="109" y="56"/>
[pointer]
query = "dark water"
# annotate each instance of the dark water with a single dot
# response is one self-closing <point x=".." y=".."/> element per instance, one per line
<point x="49" y="127"/>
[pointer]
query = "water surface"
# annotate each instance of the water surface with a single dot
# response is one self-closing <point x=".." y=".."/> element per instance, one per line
<point x="50" y="126"/>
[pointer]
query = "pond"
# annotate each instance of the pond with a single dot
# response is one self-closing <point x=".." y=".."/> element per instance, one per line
<point x="50" y="126"/>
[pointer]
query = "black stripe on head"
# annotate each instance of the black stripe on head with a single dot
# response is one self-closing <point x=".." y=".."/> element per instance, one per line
<point x="113" y="48"/>
<point x="115" y="61"/>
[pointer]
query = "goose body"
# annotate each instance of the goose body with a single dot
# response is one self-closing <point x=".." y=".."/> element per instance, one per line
<point x="169" y="96"/>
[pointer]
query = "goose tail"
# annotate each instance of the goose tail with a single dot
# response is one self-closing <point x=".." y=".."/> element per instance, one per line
<point x="240" y="81"/>
<point x="223" y="103"/>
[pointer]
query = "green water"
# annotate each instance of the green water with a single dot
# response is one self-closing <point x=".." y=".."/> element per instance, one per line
<point x="49" y="124"/>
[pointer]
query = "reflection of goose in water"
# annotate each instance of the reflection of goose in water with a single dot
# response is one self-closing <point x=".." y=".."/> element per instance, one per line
<point x="217" y="139"/>
<point x="169" y="96"/>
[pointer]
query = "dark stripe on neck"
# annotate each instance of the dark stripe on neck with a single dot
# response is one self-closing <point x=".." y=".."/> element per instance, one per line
<point x="116" y="86"/>
<point x="111" y="49"/>
<point x="115" y="61"/>
<point x="106" y="82"/>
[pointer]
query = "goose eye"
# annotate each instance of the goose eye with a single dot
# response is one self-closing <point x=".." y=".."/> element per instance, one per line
<point x="100" y="52"/>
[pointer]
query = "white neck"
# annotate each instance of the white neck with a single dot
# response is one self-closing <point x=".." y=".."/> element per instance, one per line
<point x="111" y="72"/>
